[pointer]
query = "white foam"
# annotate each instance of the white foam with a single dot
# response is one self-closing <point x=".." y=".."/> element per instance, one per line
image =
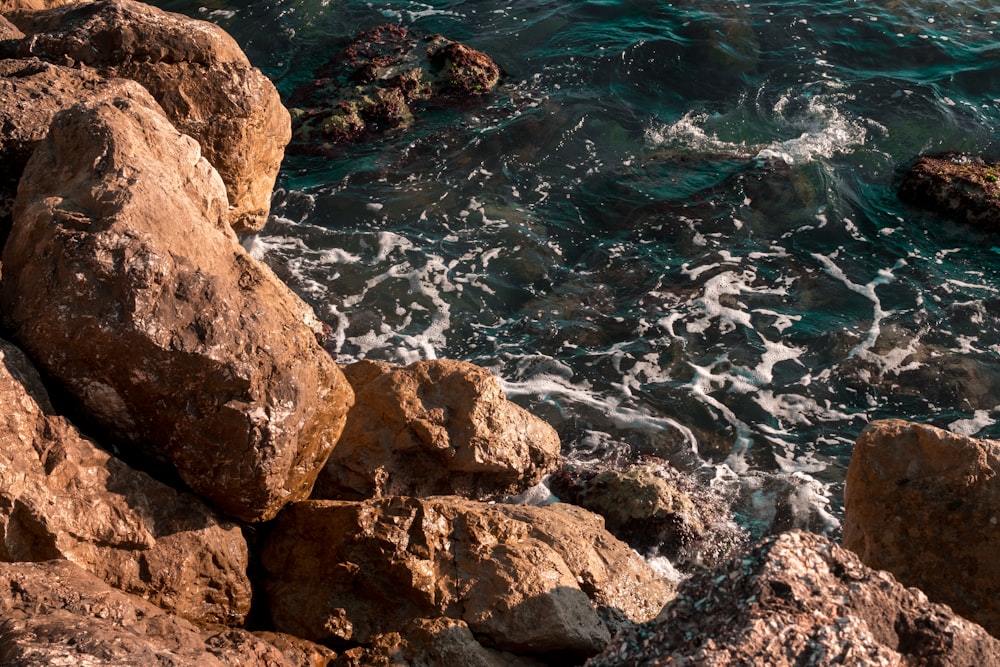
<point x="972" y="425"/>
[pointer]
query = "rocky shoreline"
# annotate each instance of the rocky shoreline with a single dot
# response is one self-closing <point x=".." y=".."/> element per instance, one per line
<point x="188" y="477"/>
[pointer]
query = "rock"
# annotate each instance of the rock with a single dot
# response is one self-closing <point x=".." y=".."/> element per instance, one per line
<point x="534" y="581"/>
<point x="54" y="613"/>
<point x="9" y="31"/>
<point x="298" y="651"/>
<point x="31" y="93"/>
<point x="961" y="187"/>
<point x="122" y="280"/>
<point x="922" y="503"/>
<point x="197" y="73"/>
<point x="435" y="427"/>
<point x="799" y="599"/>
<point x="63" y="497"/>
<point x="31" y="5"/>
<point x="377" y="82"/>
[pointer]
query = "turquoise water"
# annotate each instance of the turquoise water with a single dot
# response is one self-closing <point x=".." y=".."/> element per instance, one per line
<point x="673" y="232"/>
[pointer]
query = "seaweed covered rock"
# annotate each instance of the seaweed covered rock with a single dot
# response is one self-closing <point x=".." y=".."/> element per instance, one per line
<point x="435" y="427"/>
<point x="197" y="73"/>
<point x="799" y="599"/>
<point x="921" y="502"/>
<point x="378" y="82"/>
<point x="534" y="581"/>
<point x="961" y="187"/>
<point x="123" y="280"/>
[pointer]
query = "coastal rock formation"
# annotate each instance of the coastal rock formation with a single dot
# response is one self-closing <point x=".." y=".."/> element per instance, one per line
<point x="799" y="599"/>
<point x="528" y="580"/>
<point x="197" y="73"/>
<point x="123" y="280"/>
<point x="8" y="32"/>
<point x="376" y="83"/>
<point x="54" y="613"/>
<point x="961" y="187"/>
<point x="922" y="503"/>
<point x="435" y="428"/>
<point x="63" y="497"/>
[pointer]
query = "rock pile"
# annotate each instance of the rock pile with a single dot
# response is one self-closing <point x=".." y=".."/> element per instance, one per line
<point x="962" y="187"/>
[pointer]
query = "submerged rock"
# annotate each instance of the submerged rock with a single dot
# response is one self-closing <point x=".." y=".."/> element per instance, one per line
<point x="922" y="503"/>
<point x="376" y="83"/>
<point x="197" y="73"/>
<point x="961" y="187"/>
<point x="435" y="427"/>
<point x="63" y="497"/>
<point x="123" y="280"/>
<point x="532" y="581"/>
<point x="799" y="599"/>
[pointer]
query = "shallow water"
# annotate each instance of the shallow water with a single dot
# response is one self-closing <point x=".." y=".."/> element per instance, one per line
<point x="673" y="232"/>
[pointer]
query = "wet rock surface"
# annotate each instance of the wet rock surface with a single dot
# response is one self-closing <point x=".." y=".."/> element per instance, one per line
<point x="380" y="81"/>
<point x="961" y="187"/>
<point x="799" y="599"/>
<point x="434" y="428"/>
<point x="122" y="279"/>
<point x="921" y="503"/>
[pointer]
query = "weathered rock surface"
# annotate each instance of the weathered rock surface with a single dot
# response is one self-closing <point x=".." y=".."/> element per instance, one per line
<point x="377" y="83"/>
<point x="63" y="497"/>
<point x="33" y="5"/>
<point x="123" y="280"/>
<point x="197" y="73"/>
<point x="435" y="428"/>
<point x="961" y="187"/>
<point x="799" y="599"/>
<point x="923" y="504"/>
<point x="8" y="31"/>
<point x="54" y="613"/>
<point x="532" y="581"/>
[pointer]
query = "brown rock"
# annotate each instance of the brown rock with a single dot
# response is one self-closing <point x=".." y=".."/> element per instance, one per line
<point x="197" y="73"/>
<point x="31" y="5"/>
<point x="297" y="651"/>
<point x="961" y="187"/>
<point x="799" y="599"/>
<point x="54" y="613"/>
<point x="122" y="279"/>
<point x="63" y="497"/>
<point x="922" y="503"/>
<point x="435" y="428"/>
<point x="528" y="580"/>
<point x="9" y="31"/>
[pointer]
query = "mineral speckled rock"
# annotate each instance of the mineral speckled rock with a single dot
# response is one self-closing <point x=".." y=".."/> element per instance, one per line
<point x="435" y="428"/>
<point x="123" y="280"/>
<point x="197" y="73"/>
<point x="799" y="599"/>
<point x="961" y="187"/>
<point x="922" y="503"/>
<point x="63" y="497"/>
<point x="379" y="81"/>
<point x="528" y="580"/>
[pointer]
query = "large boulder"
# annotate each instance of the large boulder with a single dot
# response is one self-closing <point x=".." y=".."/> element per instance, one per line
<point x="123" y="280"/>
<point x="63" y="497"/>
<point x="54" y="613"/>
<point x="961" y="187"/>
<point x="435" y="427"/>
<point x="799" y="599"/>
<point x="536" y="581"/>
<point x="922" y="503"/>
<point x="197" y="73"/>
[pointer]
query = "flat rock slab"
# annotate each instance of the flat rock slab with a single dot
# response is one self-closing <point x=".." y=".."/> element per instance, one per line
<point x="960" y="187"/>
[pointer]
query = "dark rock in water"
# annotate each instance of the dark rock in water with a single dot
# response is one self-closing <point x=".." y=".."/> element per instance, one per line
<point x="961" y="187"/>
<point x="799" y="599"/>
<point x="376" y="83"/>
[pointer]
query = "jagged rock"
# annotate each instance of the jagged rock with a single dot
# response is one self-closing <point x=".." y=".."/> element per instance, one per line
<point x="63" y="497"/>
<point x="54" y="613"/>
<point x="9" y="31"/>
<point x="435" y="427"/>
<point x="298" y="651"/>
<point x="961" y="187"/>
<point x="532" y="581"/>
<point x="32" y="5"/>
<point x="922" y="503"/>
<point x="122" y="279"/>
<point x="32" y="91"/>
<point x="377" y="82"/>
<point x="799" y="599"/>
<point x="197" y="73"/>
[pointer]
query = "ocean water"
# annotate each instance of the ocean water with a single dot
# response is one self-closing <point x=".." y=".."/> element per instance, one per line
<point x="673" y="232"/>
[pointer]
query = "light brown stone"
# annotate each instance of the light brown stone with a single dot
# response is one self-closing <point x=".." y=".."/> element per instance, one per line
<point x="924" y="504"/>
<point x="123" y="280"/>
<point x="435" y="428"/>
